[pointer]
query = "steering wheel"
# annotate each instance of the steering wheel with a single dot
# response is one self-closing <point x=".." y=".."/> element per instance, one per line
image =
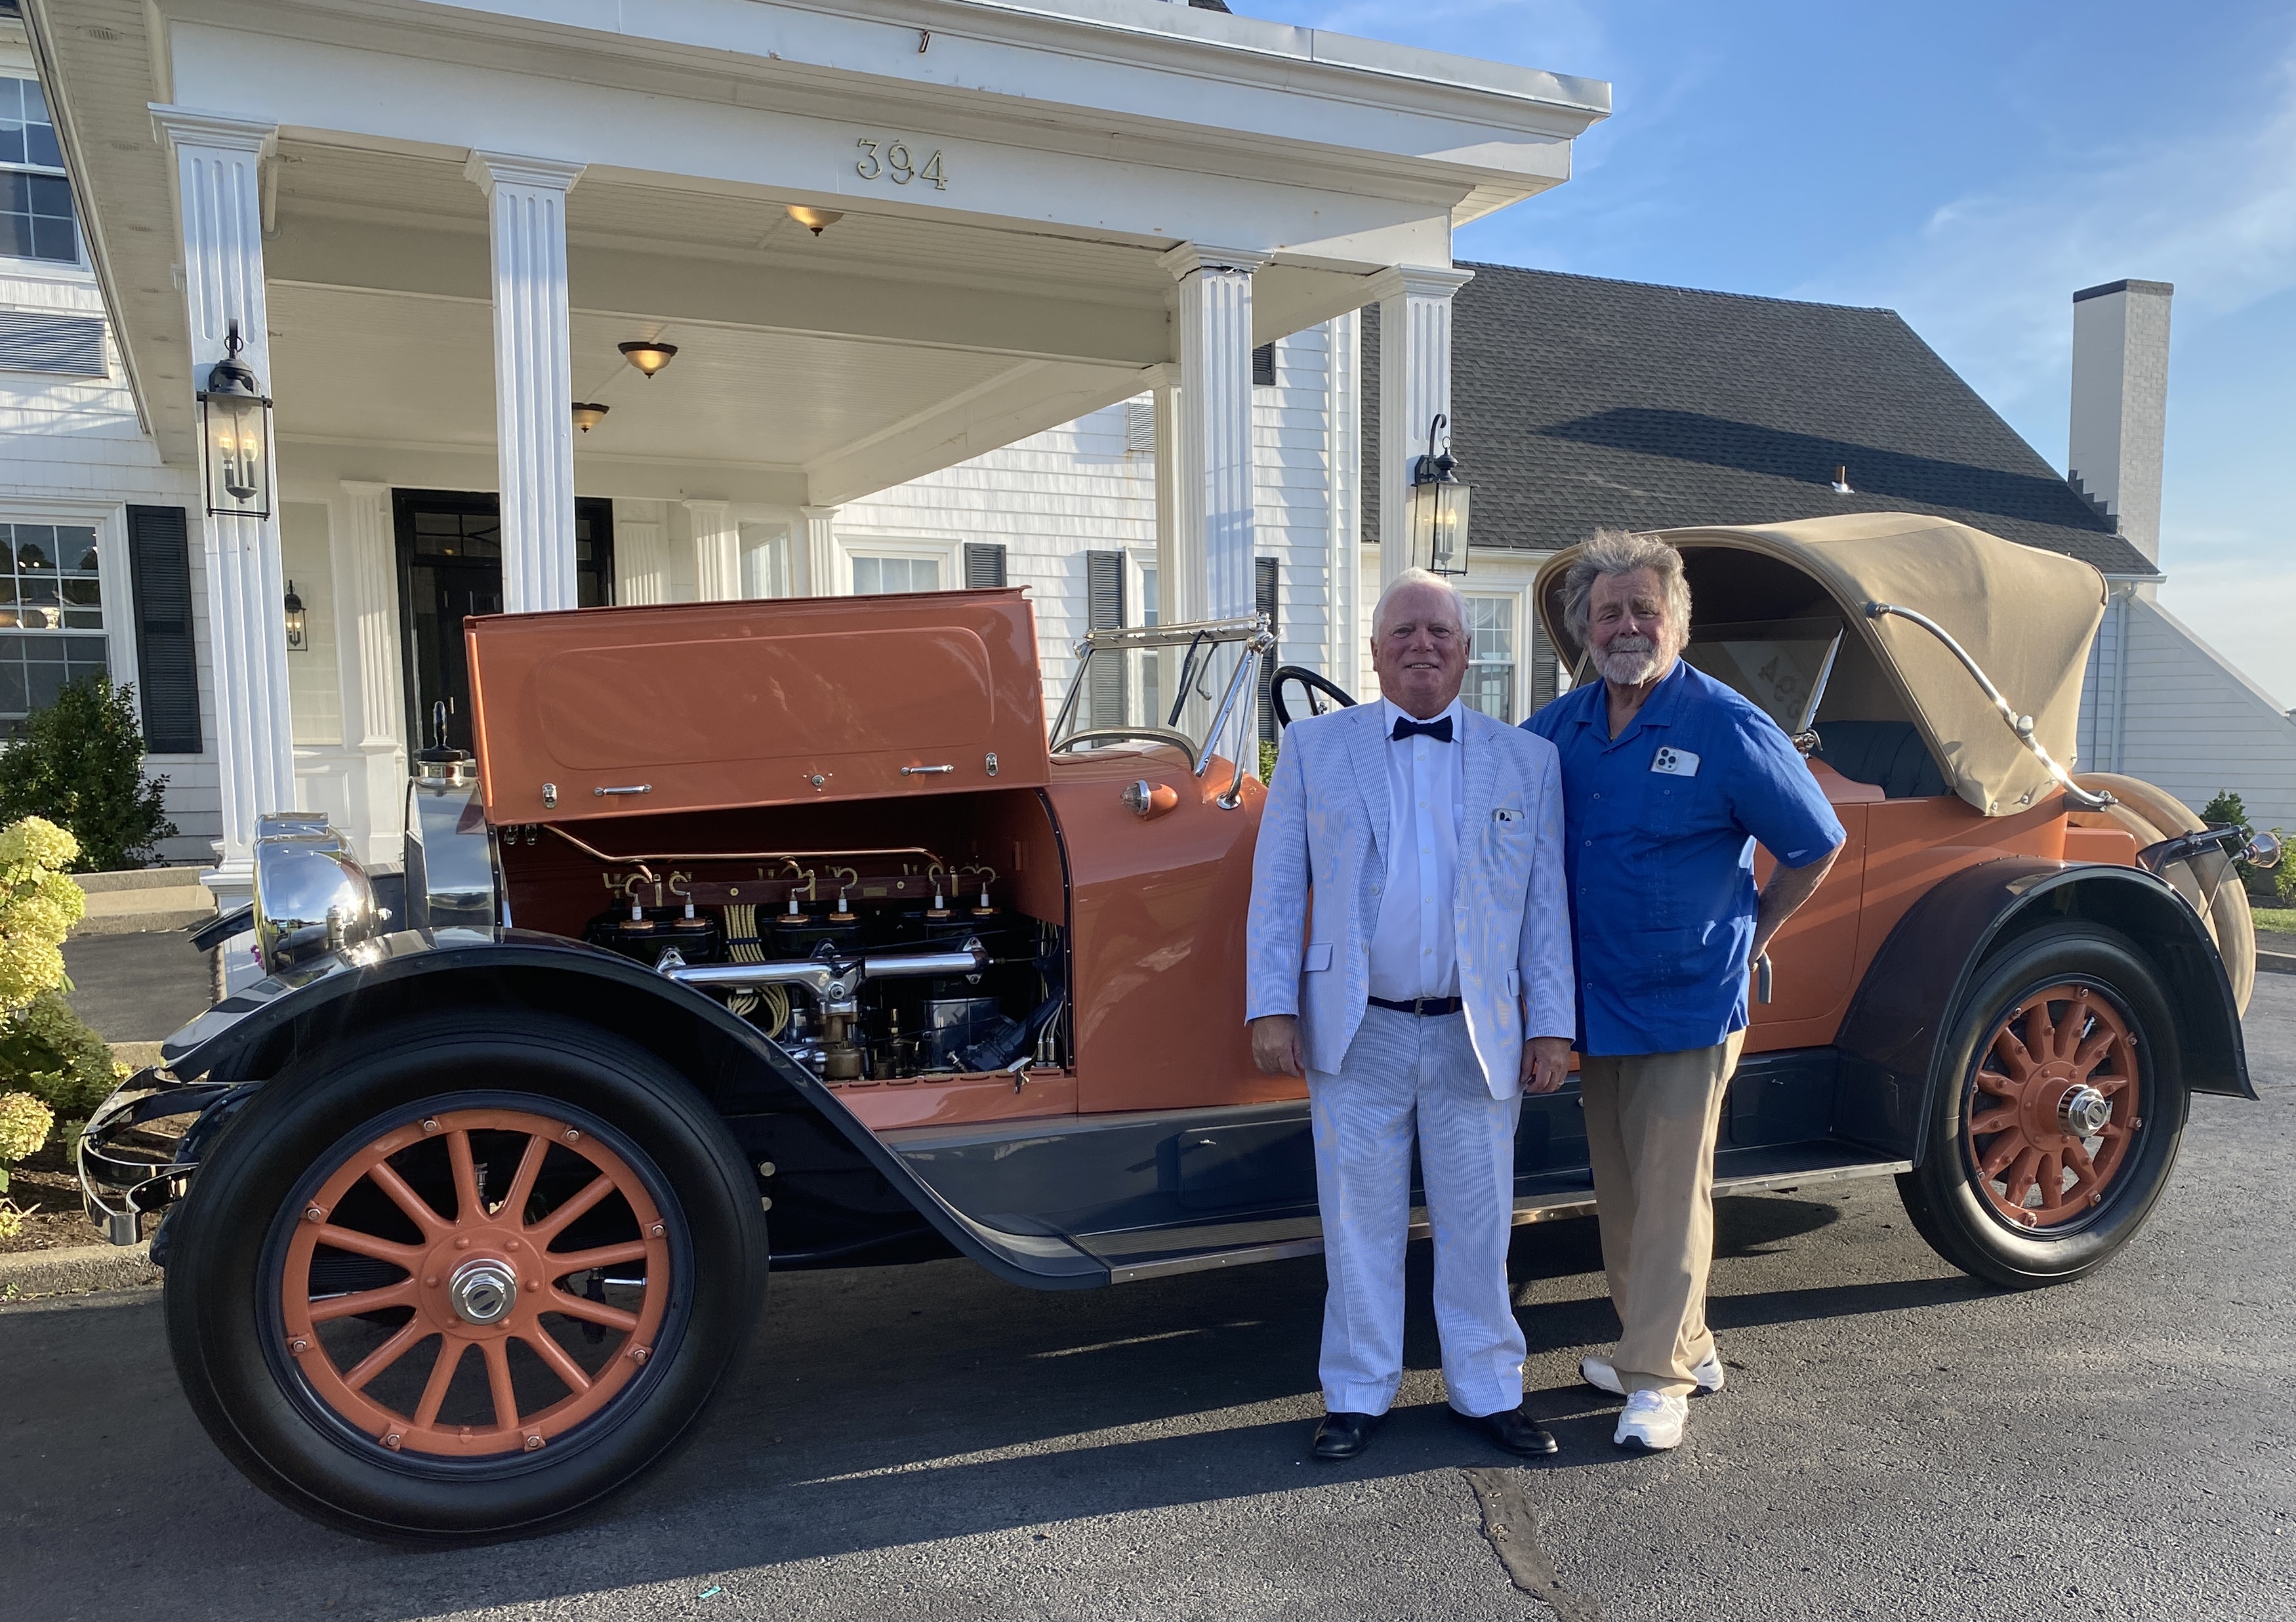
<point x="1315" y="688"/>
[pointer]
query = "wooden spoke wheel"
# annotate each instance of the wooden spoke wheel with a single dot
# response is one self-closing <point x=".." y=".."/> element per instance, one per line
<point x="2056" y="1109"/>
<point x="464" y="1276"/>
<point x="533" y="1271"/>
<point x="2052" y="1107"/>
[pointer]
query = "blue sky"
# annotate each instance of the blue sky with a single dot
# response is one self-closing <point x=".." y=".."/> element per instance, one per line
<point x="1969" y="166"/>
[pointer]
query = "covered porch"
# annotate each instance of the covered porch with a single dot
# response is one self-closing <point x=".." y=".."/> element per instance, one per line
<point x="433" y="226"/>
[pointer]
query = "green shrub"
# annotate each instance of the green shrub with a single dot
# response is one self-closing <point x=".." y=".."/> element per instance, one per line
<point x="79" y="763"/>
<point x="1266" y="759"/>
<point x="49" y="1052"/>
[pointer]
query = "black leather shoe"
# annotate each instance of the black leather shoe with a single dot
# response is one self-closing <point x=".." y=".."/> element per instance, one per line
<point x="1512" y="1430"/>
<point x="1344" y="1436"/>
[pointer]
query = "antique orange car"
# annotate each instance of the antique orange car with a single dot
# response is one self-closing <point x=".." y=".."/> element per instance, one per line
<point x="785" y="921"/>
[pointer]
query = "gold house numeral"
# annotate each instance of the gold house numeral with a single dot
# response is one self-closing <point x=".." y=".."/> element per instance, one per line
<point x="892" y="160"/>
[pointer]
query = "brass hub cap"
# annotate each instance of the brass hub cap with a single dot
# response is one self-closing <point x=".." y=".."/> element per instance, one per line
<point x="507" y="1230"/>
<point x="2052" y="1106"/>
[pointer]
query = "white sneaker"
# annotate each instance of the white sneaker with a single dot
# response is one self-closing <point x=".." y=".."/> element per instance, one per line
<point x="1652" y="1421"/>
<point x="1602" y="1374"/>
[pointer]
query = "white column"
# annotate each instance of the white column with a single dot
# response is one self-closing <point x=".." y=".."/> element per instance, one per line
<point x="220" y="191"/>
<point x="534" y="388"/>
<point x="364" y="554"/>
<point x="821" y="571"/>
<point x="717" y="550"/>
<point x="1179" y="550"/>
<point x="641" y="553"/>
<point x="1213" y="522"/>
<point x="1414" y="385"/>
<point x="1344" y="629"/>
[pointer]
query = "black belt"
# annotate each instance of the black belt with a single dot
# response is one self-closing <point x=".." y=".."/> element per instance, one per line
<point x="1426" y="1008"/>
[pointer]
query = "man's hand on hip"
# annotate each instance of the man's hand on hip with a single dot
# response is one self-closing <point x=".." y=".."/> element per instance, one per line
<point x="1275" y="1045"/>
<point x="1546" y="1063"/>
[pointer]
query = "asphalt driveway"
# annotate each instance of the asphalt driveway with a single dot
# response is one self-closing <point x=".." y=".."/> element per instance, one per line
<point x="1897" y="1441"/>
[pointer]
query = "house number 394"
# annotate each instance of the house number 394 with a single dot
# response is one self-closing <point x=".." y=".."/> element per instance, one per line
<point x="892" y="160"/>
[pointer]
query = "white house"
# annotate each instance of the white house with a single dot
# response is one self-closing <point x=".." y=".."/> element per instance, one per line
<point x="884" y="237"/>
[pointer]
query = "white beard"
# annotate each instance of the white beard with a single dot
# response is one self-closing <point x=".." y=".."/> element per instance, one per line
<point x="1631" y="661"/>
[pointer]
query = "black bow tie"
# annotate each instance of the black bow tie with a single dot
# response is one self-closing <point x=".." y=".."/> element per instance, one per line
<point x="1404" y="727"/>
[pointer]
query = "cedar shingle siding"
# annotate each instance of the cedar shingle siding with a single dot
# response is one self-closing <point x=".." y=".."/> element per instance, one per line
<point x="1582" y="402"/>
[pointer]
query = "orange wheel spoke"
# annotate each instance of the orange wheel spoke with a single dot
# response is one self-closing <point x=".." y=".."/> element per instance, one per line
<point x="2000" y="1086"/>
<point x="2020" y="1175"/>
<point x="550" y="1228"/>
<point x="1997" y="1159"/>
<point x="1993" y="1121"/>
<point x="497" y="1358"/>
<point x="409" y="1257"/>
<point x="2052" y="1179"/>
<point x="2085" y="1177"/>
<point x="2040" y="1029"/>
<point x="2019" y="1063"/>
<point x="562" y="1263"/>
<point x="547" y="1348"/>
<point x="2093" y="1050"/>
<point x="401" y="1294"/>
<point x="384" y="1176"/>
<point x="2108" y="1085"/>
<point x="470" y="1207"/>
<point x="388" y="1353"/>
<point x="593" y="1312"/>
<point x="434" y="1389"/>
<point x="521" y="1186"/>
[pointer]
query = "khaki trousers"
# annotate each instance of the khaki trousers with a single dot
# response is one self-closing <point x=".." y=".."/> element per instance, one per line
<point x="1650" y="1123"/>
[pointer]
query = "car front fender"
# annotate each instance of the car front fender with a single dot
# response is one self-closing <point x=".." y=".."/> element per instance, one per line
<point x="1892" y="1041"/>
<point x="249" y="1037"/>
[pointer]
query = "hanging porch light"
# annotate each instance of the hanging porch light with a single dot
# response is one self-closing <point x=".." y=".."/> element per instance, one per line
<point x="649" y="355"/>
<point x="235" y="435"/>
<point x="589" y="413"/>
<point x="1437" y="513"/>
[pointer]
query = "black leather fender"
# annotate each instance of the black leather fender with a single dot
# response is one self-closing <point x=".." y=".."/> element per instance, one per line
<point x="250" y="1035"/>
<point x="1891" y="1038"/>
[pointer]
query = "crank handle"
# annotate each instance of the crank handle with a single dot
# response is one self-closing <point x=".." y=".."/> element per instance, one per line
<point x="1762" y="978"/>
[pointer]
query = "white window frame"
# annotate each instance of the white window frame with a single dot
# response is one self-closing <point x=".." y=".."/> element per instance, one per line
<point x="113" y="576"/>
<point x="945" y="551"/>
<point x="17" y="262"/>
<point x="1518" y="660"/>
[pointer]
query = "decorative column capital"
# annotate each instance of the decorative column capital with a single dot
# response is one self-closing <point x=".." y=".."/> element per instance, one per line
<point x="486" y="170"/>
<point x="188" y="127"/>
<point x="1421" y="281"/>
<point x="818" y="514"/>
<point x="1189" y="258"/>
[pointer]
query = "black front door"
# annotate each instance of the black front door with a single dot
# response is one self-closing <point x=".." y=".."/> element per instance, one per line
<point x="450" y="566"/>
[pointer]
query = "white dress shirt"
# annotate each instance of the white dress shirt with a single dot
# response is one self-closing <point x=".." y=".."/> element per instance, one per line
<point x="1413" y="949"/>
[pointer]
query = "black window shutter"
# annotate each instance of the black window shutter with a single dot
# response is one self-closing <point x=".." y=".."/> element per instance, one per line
<point x="1263" y="366"/>
<point x="1541" y="684"/>
<point x="1263" y="599"/>
<point x="168" y="671"/>
<point x="1103" y="575"/>
<point x="984" y="564"/>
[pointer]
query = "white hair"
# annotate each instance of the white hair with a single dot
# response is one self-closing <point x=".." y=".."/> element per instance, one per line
<point x="1623" y="552"/>
<point x="1418" y="577"/>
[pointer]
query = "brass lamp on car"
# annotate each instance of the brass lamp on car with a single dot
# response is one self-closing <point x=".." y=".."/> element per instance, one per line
<point x="235" y="436"/>
<point x="1437" y="513"/>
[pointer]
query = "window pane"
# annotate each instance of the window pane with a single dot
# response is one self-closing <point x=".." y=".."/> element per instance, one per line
<point x="82" y="593"/>
<point x="41" y="146"/>
<point x="42" y="680"/>
<point x="50" y="196"/>
<point x="12" y="686"/>
<point x="1149" y="607"/>
<point x="1490" y="689"/>
<point x="35" y="103"/>
<point x="76" y="545"/>
<point x="15" y="235"/>
<point x="55" y="239"/>
<point x="38" y="588"/>
<point x="11" y="143"/>
<point x="35" y="547"/>
<point x="1492" y="619"/>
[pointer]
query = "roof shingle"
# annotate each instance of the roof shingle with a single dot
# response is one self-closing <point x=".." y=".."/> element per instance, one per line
<point x="1582" y="402"/>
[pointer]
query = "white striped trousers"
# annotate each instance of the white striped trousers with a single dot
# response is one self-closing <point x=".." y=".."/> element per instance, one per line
<point x="1403" y="1076"/>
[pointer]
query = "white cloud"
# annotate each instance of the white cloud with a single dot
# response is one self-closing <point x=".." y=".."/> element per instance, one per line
<point x="1988" y="277"/>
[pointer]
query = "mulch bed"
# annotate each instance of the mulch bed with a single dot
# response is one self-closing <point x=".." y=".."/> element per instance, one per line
<point x="45" y="1187"/>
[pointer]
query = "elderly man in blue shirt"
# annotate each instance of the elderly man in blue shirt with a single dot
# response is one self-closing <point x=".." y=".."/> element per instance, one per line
<point x="1669" y="780"/>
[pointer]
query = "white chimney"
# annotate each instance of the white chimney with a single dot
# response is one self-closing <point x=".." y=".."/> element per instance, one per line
<point x="2120" y="403"/>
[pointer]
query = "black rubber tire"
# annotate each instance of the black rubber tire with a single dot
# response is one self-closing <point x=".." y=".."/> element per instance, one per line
<point x="1940" y="1195"/>
<point x="222" y="1276"/>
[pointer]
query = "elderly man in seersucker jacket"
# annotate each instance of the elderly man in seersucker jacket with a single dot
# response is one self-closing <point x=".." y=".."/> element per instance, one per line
<point x="1410" y="952"/>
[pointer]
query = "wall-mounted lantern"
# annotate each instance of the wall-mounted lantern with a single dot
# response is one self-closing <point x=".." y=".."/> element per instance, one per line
<point x="298" y="640"/>
<point x="649" y="355"/>
<point x="235" y="435"/>
<point x="1437" y="510"/>
<point x="588" y="413"/>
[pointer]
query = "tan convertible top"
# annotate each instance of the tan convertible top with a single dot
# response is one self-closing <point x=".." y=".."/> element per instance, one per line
<point x="2024" y="616"/>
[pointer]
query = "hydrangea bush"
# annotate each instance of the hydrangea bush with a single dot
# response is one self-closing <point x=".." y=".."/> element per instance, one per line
<point x="48" y="1056"/>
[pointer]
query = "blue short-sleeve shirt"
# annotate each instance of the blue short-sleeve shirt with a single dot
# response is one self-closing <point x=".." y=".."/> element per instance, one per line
<point x="1659" y="826"/>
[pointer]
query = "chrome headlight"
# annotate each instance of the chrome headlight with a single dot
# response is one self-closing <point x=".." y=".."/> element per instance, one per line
<point x="311" y="895"/>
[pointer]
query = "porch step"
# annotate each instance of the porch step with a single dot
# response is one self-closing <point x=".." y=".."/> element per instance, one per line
<point x="146" y="899"/>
